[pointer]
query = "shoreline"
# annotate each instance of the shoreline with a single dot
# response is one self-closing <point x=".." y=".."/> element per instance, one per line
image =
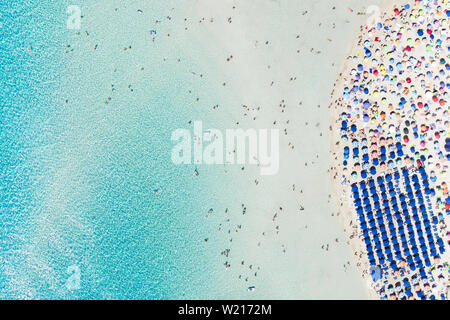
<point x="291" y="220"/>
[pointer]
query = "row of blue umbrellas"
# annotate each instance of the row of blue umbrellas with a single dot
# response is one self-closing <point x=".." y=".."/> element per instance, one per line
<point x="377" y="226"/>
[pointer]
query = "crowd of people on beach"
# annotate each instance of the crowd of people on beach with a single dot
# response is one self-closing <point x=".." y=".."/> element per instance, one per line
<point x="394" y="145"/>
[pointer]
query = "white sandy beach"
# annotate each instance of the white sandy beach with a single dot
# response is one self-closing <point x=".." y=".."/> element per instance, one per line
<point x="341" y="192"/>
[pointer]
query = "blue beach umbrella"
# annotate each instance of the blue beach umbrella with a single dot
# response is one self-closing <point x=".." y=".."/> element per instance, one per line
<point x="422" y="273"/>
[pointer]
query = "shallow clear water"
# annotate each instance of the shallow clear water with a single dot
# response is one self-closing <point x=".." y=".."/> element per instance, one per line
<point x="89" y="187"/>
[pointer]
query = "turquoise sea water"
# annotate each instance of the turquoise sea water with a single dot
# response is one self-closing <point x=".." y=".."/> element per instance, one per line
<point x="87" y="188"/>
<point x="26" y="89"/>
